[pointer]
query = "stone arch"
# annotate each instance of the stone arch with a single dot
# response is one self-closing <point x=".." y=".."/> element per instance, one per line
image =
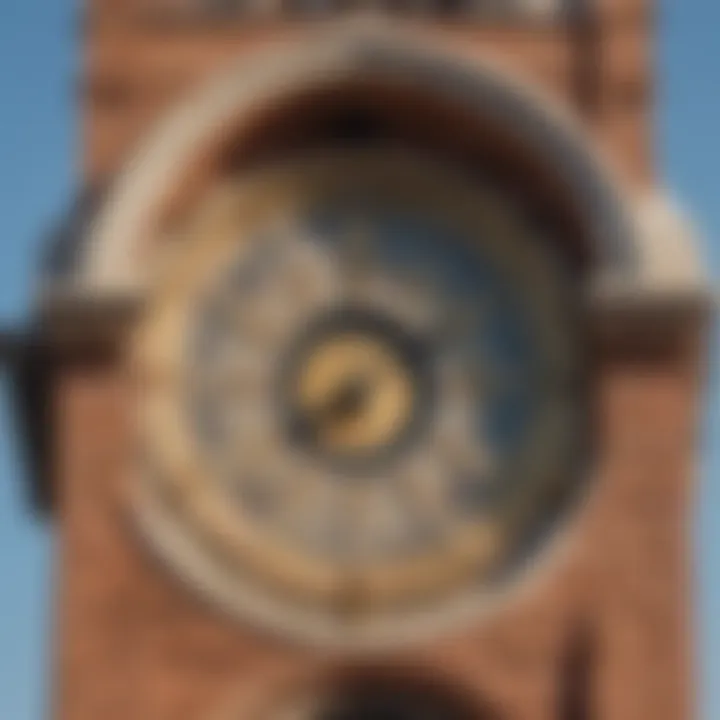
<point x="109" y="264"/>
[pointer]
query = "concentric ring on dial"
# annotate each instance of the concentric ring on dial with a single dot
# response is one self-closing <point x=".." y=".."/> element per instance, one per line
<point x="262" y="575"/>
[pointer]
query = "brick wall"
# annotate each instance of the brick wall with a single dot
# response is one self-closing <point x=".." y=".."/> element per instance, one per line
<point x="134" y="72"/>
<point x="132" y="642"/>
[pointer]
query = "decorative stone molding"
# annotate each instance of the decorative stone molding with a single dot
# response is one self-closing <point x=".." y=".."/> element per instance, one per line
<point x="352" y="51"/>
<point x="645" y="252"/>
<point x="670" y="268"/>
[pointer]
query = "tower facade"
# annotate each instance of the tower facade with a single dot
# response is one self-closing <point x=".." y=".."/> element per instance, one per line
<point x="364" y="379"/>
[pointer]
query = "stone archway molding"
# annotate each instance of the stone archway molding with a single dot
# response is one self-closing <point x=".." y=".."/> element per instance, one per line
<point x="109" y="267"/>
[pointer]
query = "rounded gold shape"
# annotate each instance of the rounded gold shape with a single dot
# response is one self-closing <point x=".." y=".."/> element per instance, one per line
<point x="357" y="393"/>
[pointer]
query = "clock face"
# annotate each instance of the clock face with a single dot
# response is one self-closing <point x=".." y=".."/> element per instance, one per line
<point x="362" y="396"/>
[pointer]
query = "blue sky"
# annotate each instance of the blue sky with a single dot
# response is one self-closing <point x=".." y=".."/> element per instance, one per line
<point x="39" y="44"/>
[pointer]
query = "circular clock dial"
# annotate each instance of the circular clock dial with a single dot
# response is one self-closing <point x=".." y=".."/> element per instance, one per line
<point x="363" y="393"/>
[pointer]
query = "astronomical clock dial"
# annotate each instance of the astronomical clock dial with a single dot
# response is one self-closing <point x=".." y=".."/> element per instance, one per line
<point x="362" y="397"/>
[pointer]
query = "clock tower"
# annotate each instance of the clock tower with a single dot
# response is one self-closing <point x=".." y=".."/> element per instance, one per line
<point x="365" y="375"/>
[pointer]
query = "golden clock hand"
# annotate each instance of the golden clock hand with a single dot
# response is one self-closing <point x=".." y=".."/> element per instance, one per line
<point x="347" y="401"/>
<point x="342" y="403"/>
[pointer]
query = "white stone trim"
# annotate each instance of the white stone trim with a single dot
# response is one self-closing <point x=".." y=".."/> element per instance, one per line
<point x="646" y="250"/>
<point x="670" y="265"/>
<point x="349" y="50"/>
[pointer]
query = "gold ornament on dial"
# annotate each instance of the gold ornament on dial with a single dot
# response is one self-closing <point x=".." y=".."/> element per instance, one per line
<point x="356" y="392"/>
